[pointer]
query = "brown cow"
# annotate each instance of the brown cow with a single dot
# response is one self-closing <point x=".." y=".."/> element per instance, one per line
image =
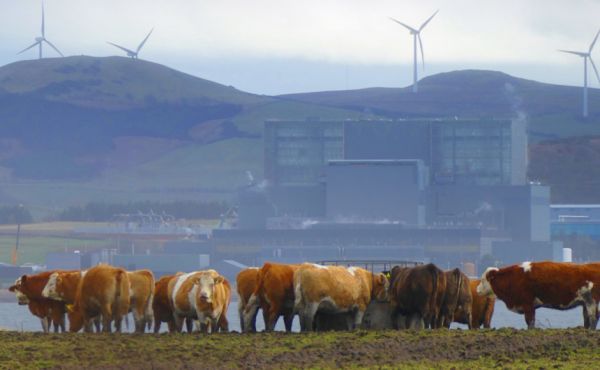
<point x="28" y="289"/>
<point x="416" y="295"/>
<point x="161" y="307"/>
<point x="530" y="285"/>
<point x="274" y="294"/>
<point x="103" y="291"/>
<point x="246" y="283"/>
<point x="457" y="297"/>
<point x="335" y="290"/>
<point x="482" y="309"/>
<point x="142" y="290"/>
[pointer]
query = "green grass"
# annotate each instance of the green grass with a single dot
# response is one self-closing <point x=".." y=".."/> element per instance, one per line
<point x="34" y="249"/>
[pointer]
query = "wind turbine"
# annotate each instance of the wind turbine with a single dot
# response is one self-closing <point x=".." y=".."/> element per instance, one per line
<point x="585" y="57"/>
<point x="416" y="36"/>
<point x="39" y="41"/>
<point x="131" y="53"/>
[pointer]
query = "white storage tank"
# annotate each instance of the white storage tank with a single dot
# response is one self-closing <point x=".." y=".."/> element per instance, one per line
<point x="567" y="255"/>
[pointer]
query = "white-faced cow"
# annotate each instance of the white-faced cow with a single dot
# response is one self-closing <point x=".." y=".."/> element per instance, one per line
<point x="202" y="296"/>
<point x="530" y="285"/>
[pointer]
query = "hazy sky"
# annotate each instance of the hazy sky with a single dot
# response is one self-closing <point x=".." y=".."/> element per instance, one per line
<point x="278" y="46"/>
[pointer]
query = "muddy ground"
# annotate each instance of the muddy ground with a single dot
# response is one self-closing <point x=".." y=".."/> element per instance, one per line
<point x="506" y="348"/>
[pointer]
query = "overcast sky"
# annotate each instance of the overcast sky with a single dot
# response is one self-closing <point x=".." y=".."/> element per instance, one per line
<point x="279" y="46"/>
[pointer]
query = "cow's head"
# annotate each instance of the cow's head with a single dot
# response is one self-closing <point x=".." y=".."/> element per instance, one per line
<point x="18" y="288"/>
<point x="381" y="285"/>
<point x="206" y="286"/>
<point x="485" y="287"/>
<point x="51" y="289"/>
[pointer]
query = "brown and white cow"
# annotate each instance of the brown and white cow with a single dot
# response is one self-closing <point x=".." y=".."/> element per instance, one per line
<point x="556" y="285"/>
<point x="246" y="283"/>
<point x="416" y="296"/>
<point x="103" y="291"/>
<point x="335" y="290"/>
<point x="28" y="289"/>
<point x="62" y="286"/>
<point x="482" y="309"/>
<point x="457" y="297"/>
<point x="142" y="290"/>
<point x="202" y="296"/>
<point x="274" y="294"/>
<point x="212" y="300"/>
<point x="161" y="306"/>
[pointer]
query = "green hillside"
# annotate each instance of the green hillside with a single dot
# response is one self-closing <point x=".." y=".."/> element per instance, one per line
<point x="80" y="129"/>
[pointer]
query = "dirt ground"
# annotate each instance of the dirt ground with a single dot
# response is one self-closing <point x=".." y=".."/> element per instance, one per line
<point x="506" y="348"/>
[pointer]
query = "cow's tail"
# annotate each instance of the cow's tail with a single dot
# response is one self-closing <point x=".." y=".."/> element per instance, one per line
<point x="434" y="295"/>
<point x="254" y="299"/>
<point x="458" y="276"/>
<point x="148" y="313"/>
<point x="118" y="293"/>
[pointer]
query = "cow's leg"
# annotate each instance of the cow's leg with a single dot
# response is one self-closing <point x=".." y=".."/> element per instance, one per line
<point x="415" y="321"/>
<point x="590" y="314"/>
<point x="156" y="325"/>
<point x="106" y="314"/>
<point x="222" y="323"/>
<point x="529" y="312"/>
<point x="358" y="316"/>
<point x="45" y="324"/>
<point x="189" y="325"/>
<point x="272" y="316"/>
<point x="288" y="319"/>
<point x="308" y="314"/>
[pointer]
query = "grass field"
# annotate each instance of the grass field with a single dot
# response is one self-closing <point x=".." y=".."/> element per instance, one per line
<point x="506" y="348"/>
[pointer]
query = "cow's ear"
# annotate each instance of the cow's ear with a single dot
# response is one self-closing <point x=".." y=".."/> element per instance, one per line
<point x="12" y="288"/>
<point x="219" y="279"/>
<point x="23" y="278"/>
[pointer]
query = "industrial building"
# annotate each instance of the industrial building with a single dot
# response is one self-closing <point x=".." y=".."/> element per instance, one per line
<point x="443" y="190"/>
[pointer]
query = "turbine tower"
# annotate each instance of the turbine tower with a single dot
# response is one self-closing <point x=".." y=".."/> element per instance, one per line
<point x="586" y="55"/>
<point x="39" y="41"/>
<point x="416" y="36"/>
<point x="131" y="53"/>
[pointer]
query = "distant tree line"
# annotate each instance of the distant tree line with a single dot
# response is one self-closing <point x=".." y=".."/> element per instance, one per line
<point x="14" y="215"/>
<point x="102" y="212"/>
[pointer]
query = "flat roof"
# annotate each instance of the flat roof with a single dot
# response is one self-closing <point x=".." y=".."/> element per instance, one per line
<point x="575" y="206"/>
<point x="374" y="162"/>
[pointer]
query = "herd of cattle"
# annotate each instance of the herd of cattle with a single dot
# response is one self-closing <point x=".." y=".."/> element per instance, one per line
<point x="414" y="297"/>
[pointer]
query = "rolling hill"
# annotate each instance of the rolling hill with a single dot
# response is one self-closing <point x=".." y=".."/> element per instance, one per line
<point x="81" y="129"/>
<point x="553" y="111"/>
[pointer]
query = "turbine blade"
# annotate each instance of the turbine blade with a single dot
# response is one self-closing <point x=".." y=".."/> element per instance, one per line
<point x="421" y="47"/>
<point x="54" y="47"/>
<point x="579" y="53"/>
<point x="29" y="47"/>
<point x="594" y="42"/>
<point x="143" y="42"/>
<point x="405" y="25"/>
<point x="43" y="22"/>
<point x="427" y="21"/>
<point x="595" y="69"/>
<point x="122" y="48"/>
